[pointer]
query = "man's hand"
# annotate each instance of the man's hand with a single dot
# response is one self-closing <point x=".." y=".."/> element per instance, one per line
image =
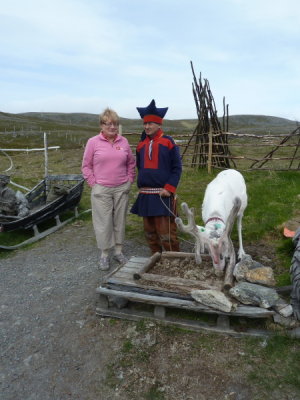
<point x="164" y="193"/>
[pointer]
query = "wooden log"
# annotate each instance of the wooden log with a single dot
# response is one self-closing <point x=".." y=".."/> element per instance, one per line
<point x="176" y="254"/>
<point x="149" y="264"/>
<point x="147" y="290"/>
<point x="246" y="311"/>
<point x="179" y="284"/>
<point x="197" y="326"/>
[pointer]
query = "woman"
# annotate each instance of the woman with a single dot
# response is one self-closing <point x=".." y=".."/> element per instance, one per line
<point x="108" y="166"/>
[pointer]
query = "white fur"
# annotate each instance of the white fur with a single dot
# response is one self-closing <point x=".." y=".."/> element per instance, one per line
<point x="218" y="202"/>
<point x="221" y="192"/>
<point x="219" y="199"/>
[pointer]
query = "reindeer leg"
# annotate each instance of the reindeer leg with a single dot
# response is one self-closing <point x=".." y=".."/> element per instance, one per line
<point x="241" y="252"/>
<point x="228" y="279"/>
<point x="198" y="257"/>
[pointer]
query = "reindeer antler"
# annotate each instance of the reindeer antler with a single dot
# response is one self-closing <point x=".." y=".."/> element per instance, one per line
<point x="192" y="229"/>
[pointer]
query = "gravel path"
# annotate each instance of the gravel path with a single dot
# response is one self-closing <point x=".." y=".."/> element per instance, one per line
<point x="47" y="307"/>
<point x="54" y="347"/>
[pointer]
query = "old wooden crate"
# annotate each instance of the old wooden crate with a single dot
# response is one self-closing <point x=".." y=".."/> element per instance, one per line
<point x="134" y="292"/>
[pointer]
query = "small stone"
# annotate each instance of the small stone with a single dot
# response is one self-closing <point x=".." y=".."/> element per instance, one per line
<point x="284" y="309"/>
<point x="295" y="333"/>
<point x="284" y="321"/>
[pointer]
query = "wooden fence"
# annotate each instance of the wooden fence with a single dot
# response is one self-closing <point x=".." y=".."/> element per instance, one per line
<point x="242" y="151"/>
<point x="278" y="152"/>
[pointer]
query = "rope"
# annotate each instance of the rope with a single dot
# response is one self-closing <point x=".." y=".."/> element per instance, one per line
<point x="171" y="212"/>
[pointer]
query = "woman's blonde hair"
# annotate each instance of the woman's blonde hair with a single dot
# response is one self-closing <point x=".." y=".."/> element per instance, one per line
<point x="108" y="115"/>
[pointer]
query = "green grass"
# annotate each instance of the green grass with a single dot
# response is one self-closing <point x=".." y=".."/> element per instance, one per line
<point x="154" y="394"/>
<point x="263" y="363"/>
<point x="275" y="363"/>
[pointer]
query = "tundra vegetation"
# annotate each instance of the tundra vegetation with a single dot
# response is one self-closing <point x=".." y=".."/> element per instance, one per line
<point x="273" y="198"/>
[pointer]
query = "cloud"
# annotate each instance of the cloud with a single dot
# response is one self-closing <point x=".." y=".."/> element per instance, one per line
<point x="64" y="54"/>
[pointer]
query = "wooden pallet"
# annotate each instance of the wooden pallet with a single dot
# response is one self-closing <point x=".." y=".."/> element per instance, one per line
<point x="124" y="295"/>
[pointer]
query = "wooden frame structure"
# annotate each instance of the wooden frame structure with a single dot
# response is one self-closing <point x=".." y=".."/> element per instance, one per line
<point x="208" y="140"/>
<point x="208" y="145"/>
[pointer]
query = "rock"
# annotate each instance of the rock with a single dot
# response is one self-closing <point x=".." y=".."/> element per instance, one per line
<point x="212" y="298"/>
<point x="261" y="276"/>
<point x="284" y="309"/>
<point x="295" y="333"/>
<point x="243" y="266"/>
<point x="250" y="293"/>
<point x="252" y="271"/>
<point x="287" y="322"/>
<point x="240" y="271"/>
<point x="116" y="301"/>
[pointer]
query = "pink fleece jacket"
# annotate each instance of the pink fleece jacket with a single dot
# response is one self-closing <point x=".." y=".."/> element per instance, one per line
<point x="108" y="164"/>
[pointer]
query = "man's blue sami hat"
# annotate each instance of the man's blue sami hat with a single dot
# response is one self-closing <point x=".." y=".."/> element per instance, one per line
<point x="151" y="113"/>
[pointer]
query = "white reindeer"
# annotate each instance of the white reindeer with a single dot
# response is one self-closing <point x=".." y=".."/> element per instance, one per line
<point x="225" y="199"/>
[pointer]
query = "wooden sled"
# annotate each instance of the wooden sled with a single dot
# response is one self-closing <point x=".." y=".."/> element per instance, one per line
<point x="50" y="198"/>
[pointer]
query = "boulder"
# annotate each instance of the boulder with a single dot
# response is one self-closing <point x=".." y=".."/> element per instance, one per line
<point x="261" y="276"/>
<point x="254" y="272"/>
<point x="212" y="298"/>
<point x="250" y="293"/>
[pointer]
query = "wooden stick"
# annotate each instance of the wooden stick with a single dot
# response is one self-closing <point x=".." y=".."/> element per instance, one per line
<point x="153" y="259"/>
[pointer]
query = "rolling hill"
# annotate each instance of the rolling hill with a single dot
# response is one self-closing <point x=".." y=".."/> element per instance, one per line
<point x="46" y="121"/>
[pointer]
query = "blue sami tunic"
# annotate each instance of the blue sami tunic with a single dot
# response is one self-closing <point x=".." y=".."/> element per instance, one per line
<point x="162" y="169"/>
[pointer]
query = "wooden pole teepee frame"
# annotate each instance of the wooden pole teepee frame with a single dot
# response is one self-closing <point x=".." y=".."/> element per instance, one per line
<point x="210" y="146"/>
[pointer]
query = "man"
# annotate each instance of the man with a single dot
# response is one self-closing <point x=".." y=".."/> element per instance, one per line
<point x="159" y="169"/>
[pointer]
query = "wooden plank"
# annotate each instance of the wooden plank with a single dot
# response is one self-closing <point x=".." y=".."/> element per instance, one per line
<point x="250" y="312"/>
<point x="197" y="326"/>
<point x="134" y="264"/>
<point x="129" y="268"/>
<point x="123" y="275"/>
<point x="181" y="254"/>
<point x="137" y="260"/>
<point x="149" y="290"/>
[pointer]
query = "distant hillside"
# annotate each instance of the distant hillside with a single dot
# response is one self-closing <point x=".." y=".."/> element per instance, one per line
<point x="260" y="124"/>
<point x="90" y="122"/>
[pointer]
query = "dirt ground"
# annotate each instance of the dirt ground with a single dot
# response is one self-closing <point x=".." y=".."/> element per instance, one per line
<point x="54" y="346"/>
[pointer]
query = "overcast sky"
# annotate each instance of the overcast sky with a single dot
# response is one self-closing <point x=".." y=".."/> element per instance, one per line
<point x="85" y="55"/>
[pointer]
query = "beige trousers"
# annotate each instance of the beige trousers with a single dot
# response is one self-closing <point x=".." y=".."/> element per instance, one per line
<point x="109" y="210"/>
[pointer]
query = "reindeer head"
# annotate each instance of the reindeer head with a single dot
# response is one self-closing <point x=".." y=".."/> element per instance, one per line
<point x="218" y="241"/>
<point x="216" y="244"/>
